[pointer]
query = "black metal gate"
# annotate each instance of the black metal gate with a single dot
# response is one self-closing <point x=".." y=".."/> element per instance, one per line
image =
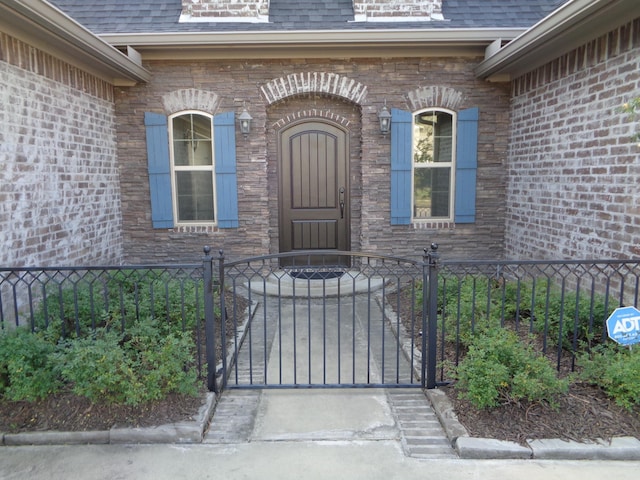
<point x="316" y="323"/>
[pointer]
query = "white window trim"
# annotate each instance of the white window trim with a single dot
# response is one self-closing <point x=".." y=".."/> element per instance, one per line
<point x="452" y="164"/>
<point x="174" y="169"/>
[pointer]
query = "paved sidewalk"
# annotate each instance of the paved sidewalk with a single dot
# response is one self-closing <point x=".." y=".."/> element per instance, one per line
<point x="282" y="460"/>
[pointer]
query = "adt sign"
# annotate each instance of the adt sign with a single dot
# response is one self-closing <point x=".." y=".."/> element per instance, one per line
<point x="623" y="325"/>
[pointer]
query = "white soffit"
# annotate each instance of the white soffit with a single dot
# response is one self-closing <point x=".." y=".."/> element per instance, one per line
<point x="306" y="43"/>
<point x="40" y="24"/>
<point x="572" y="25"/>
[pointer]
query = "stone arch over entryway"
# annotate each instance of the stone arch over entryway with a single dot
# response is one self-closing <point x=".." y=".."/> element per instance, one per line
<point x="320" y="83"/>
<point x="190" y="99"/>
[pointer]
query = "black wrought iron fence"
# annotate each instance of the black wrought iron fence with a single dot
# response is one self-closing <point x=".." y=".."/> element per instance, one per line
<point x="69" y="302"/>
<point x="563" y="305"/>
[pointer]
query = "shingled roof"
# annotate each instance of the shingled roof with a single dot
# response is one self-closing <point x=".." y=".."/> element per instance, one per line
<point x="157" y="16"/>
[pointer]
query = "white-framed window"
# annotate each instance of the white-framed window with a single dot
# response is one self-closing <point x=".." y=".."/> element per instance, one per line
<point x="433" y="165"/>
<point x="427" y="162"/>
<point x="192" y="168"/>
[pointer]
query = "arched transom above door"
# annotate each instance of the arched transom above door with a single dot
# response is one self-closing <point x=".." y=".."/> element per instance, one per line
<point x="327" y="83"/>
<point x="311" y="113"/>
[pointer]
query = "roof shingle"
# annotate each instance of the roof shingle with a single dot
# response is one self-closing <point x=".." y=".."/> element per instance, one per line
<point x="161" y="16"/>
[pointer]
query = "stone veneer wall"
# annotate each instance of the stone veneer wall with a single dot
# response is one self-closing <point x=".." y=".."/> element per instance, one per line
<point x="347" y="92"/>
<point x="60" y="196"/>
<point x="573" y="166"/>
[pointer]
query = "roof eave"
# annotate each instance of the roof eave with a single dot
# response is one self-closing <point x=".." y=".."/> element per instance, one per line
<point x="567" y="28"/>
<point x="46" y="27"/>
<point x="311" y="43"/>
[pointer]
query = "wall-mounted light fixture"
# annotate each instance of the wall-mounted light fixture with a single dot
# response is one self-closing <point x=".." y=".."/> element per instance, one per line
<point x="384" y="116"/>
<point x="245" y="122"/>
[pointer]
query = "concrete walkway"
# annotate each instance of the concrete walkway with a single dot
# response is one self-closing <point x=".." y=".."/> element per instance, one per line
<point x="320" y="341"/>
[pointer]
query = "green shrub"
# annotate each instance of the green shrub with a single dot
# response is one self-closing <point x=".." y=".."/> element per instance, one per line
<point x="476" y="303"/>
<point x="143" y="364"/>
<point x="71" y="312"/>
<point x="616" y="369"/>
<point x="468" y="306"/>
<point x="118" y="301"/>
<point x="26" y="367"/>
<point x="569" y="319"/>
<point x="163" y="358"/>
<point x="632" y="109"/>
<point x="99" y="369"/>
<point x="119" y="337"/>
<point x="499" y="368"/>
<point x="156" y="294"/>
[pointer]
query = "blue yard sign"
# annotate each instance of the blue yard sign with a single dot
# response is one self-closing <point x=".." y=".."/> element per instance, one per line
<point x="623" y="325"/>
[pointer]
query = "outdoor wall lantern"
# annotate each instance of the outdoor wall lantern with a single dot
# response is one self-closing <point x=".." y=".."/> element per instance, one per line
<point x="245" y="122"/>
<point x="384" y="116"/>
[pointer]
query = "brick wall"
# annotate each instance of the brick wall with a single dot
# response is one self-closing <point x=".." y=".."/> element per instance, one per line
<point x="59" y="197"/>
<point x="573" y="167"/>
<point x="390" y="9"/>
<point x="363" y="9"/>
<point x="235" y="84"/>
<point x="237" y="9"/>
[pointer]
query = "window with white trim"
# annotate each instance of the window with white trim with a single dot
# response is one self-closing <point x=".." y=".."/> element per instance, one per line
<point x="192" y="168"/>
<point x="462" y="163"/>
<point x="433" y="167"/>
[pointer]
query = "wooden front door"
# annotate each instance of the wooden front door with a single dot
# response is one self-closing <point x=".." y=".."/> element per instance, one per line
<point x="314" y="189"/>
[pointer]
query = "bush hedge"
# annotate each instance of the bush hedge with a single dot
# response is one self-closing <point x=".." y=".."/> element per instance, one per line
<point x="126" y="339"/>
<point x="499" y="368"/>
<point x="483" y="313"/>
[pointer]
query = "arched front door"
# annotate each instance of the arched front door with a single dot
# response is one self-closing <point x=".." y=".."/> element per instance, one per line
<point x="314" y="187"/>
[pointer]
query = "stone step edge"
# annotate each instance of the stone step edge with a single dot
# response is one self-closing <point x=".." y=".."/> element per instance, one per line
<point x="617" y="448"/>
<point x="184" y="432"/>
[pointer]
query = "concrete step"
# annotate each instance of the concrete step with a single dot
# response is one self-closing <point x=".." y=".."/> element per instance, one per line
<point x="281" y="283"/>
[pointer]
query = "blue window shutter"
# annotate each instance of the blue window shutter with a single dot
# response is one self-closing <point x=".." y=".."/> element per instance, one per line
<point x="224" y="130"/>
<point x="401" y="128"/>
<point x="466" y="165"/>
<point x="159" y="170"/>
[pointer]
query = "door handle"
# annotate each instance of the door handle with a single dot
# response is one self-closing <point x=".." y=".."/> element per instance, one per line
<point x="341" y="202"/>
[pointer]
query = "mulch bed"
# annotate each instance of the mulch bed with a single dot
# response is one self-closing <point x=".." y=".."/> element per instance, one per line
<point x="70" y="413"/>
<point x="66" y="411"/>
<point x="584" y="413"/>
